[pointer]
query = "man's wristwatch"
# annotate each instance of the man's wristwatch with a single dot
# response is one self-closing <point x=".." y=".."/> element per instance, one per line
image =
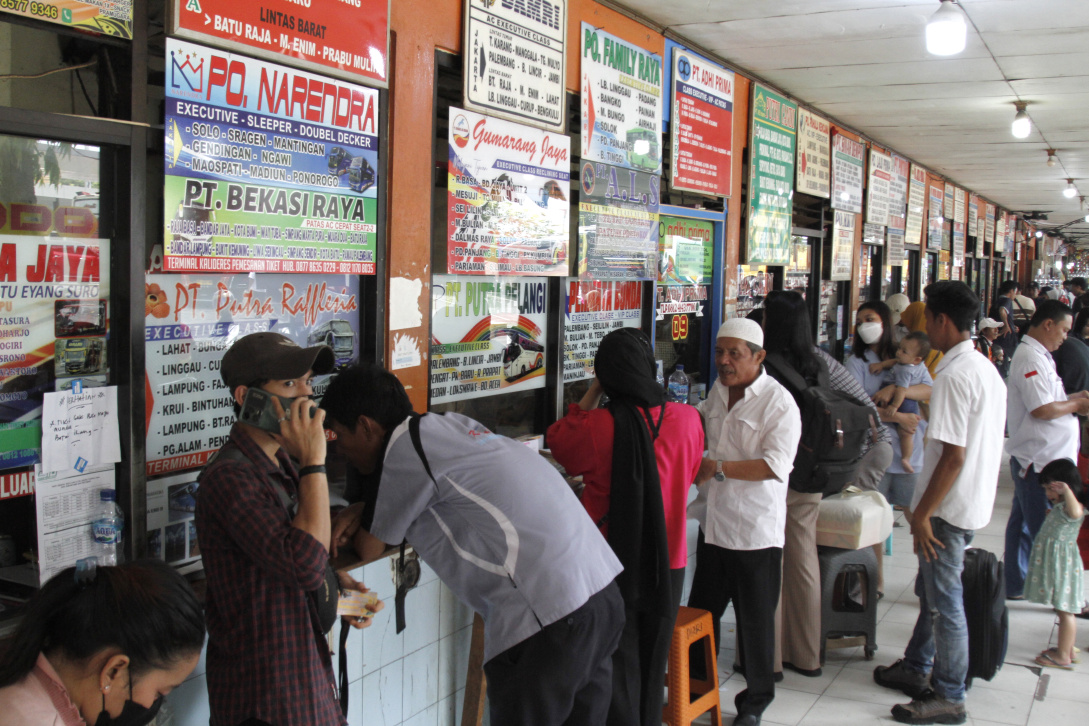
<point x="719" y="476"/>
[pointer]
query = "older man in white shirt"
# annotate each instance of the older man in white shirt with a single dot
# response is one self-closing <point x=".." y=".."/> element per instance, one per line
<point x="1043" y="427"/>
<point x="753" y="427"/>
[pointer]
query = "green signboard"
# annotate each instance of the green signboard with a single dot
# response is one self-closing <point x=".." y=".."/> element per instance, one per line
<point x="771" y="177"/>
<point x="685" y="248"/>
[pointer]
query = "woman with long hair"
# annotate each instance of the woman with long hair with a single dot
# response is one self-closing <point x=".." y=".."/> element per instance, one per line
<point x="638" y="458"/>
<point x="101" y="646"/>
<point x="788" y="339"/>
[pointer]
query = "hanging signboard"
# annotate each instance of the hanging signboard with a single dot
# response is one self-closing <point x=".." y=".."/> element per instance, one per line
<point x="487" y="336"/>
<point x="190" y="320"/>
<point x="898" y="193"/>
<point x="621" y="102"/>
<point x="877" y="188"/>
<point x="873" y="234"/>
<point x="958" y="244"/>
<point x="685" y="249"/>
<point x="934" y="227"/>
<point x="108" y="17"/>
<point x="913" y="223"/>
<point x="848" y="160"/>
<point x="681" y="302"/>
<point x="949" y="210"/>
<point x="1011" y="230"/>
<point x="843" y="246"/>
<point x="973" y="218"/>
<point x="514" y="64"/>
<point x="896" y="247"/>
<point x="702" y="125"/>
<point x="618" y="223"/>
<point x="593" y="310"/>
<point x="1000" y="232"/>
<point x="506" y="208"/>
<point x="771" y="177"/>
<point x="262" y="175"/>
<point x="960" y="207"/>
<point x="814" y="165"/>
<point x="345" y="38"/>
<point x="988" y="223"/>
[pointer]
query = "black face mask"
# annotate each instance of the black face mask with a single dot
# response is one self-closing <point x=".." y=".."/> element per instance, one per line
<point x="133" y="714"/>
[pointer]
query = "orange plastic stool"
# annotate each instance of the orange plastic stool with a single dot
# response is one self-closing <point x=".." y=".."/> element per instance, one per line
<point x="692" y="626"/>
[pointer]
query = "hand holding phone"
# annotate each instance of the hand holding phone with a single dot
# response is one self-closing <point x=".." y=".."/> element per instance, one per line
<point x="258" y="410"/>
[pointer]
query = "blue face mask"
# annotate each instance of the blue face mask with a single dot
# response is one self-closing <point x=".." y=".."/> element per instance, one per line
<point x="133" y="714"/>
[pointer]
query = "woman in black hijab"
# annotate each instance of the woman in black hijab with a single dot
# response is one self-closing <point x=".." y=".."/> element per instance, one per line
<point x="637" y="458"/>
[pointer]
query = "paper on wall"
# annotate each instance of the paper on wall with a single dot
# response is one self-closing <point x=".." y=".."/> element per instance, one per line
<point x="79" y="430"/>
<point x="64" y="507"/>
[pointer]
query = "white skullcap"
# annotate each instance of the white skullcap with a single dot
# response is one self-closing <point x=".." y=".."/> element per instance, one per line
<point x="989" y="323"/>
<point x="743" y="328"/>
<point x="897" y="304"/>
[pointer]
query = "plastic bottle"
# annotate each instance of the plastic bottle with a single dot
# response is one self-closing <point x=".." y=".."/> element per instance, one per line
<point x="107" y="529"/>
<point x="660" y="374"/>
<point x="678" y="386"/>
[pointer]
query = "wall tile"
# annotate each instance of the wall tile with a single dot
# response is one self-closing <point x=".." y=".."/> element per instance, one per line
<point x="421" y="680"/>
<point x="381" y="701"/>
<point x="454" y="661"/>
<point x="422" y="606"/>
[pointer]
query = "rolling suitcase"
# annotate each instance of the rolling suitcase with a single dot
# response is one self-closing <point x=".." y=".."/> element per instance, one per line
<point x="984" y="582"/>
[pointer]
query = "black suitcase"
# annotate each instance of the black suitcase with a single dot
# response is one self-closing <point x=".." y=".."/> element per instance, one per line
<point x="984" y="581"/>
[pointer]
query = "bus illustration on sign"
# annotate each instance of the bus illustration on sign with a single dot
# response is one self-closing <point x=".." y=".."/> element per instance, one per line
<point x="521" y="356"/>
<point x="643" y="149"/>
<point x="338" y="335"/>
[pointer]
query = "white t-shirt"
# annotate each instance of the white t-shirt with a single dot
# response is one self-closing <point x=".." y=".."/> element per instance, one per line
<point x="1034" y="382"/>
<point x="967" y="408"/>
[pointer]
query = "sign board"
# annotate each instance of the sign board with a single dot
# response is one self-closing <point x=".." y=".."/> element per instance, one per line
<point x="898" y="193"/>
<point x="843" y="246"/>
<point x="935" y="220"/>
<point x="848" y="161"/>
<point x="514" y="65"/>
<point x="702" y="125"/>
<point x="771" y="177"/>
<point x="896" y="247"/>
<point x="988" y="223"/>
<point x="960" y="206"/>
<point x="878" y="187"/>
<point x="1000" y="232"/>
<point x="618" y="223"/>
<point x="507" y="208"/>
<point x="949" y="210"/>
<point x="594" y="309"/>
<point x="973" y="218"/>
<point x="685" y="249"/>
<point x="814" y="165"/>
<point x="108" y="17"/>
<point x="344" y="38"/>
<point x="913" y="223"/>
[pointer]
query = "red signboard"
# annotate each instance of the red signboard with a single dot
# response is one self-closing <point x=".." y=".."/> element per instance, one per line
<point x="703" y="104"/>
<point x="346" y="38"/>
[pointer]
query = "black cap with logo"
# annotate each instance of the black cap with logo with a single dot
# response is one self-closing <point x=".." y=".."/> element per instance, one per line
<point x="274" y="357"/>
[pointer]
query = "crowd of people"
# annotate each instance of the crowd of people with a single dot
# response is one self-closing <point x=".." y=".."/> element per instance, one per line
<point x="579" y="598"/>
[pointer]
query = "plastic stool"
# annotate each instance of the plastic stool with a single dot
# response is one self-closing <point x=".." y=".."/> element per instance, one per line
<point x="680" y="710"/>
<point x="840" y="622"/>
<point x="888" y="546"/>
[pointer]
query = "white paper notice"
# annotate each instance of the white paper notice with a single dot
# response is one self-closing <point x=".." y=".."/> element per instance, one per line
<point x="79" y="430"/>
<point x="64" y="508"/>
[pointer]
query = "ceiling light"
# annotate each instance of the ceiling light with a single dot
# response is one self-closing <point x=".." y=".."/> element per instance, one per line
<point x="1039" y="234"/>
<point x="1022" y="126"/>
<point x="946" y="31"/>
<point x="1087" y="219"/>
<point x="1051" y="158"/>
<point x="1071" y="191"/>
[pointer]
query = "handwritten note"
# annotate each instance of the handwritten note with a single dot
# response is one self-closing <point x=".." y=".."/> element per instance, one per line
<point x="79" y="430"/>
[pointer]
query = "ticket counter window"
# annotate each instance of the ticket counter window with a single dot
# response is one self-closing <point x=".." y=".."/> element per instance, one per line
<point x="797" y="273"/>
<point x="754" y="284"/>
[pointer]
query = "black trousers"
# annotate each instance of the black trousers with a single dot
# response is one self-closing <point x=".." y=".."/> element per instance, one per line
<point x="639" y="663"/>
<point x="562" y="676"/>
<point x="751" y="580"/>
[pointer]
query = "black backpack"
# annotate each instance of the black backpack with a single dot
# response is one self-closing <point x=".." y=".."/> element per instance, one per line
<point x="835" y="427"/>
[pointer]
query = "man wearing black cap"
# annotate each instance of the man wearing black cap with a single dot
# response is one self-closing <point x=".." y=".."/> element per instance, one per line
<point x="263" y="523"/>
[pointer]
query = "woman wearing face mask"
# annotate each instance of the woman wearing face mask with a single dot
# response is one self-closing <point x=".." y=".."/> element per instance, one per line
<point x="101" y="648"/>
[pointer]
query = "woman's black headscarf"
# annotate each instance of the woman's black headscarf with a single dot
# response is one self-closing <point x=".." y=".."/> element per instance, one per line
<point x="625" y="367"/>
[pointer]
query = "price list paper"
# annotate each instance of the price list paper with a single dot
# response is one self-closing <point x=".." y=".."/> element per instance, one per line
<point x="65" y="503"/>
<point x="814" y="155"/>
<point x="877" y="188"/>
<point x="702" y="127"/>
<point x="913" y="226"/>
<point x="848" y="161"/>
<point x="771" y="177"/>
<point x="898" y="193"/>
<point x="843" y="245"/>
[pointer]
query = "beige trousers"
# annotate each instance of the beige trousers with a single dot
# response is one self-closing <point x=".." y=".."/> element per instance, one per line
<point x="798" y="617"/>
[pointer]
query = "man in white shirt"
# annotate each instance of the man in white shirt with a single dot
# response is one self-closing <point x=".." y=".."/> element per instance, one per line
<point x="753" y="427"/>
<point x="1043" y="427"/>
<point x="954" y="496"/>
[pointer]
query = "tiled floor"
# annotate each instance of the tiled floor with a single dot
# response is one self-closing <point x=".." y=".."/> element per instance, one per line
<point x="1021" y="694"/>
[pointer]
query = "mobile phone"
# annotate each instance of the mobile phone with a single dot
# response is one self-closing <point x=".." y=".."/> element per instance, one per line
<point x="257" y="410"/>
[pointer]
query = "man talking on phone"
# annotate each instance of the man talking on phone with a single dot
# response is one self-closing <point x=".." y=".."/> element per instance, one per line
<point x="263" y="523"/>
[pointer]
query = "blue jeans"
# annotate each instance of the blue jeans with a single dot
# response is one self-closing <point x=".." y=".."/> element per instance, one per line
<point x="1027" y="515"/>
<point x="939" y="645"/>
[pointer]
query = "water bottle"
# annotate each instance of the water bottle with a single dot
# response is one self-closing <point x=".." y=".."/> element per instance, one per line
<point x="107" y="528"/>
<point x="678" y="386"/>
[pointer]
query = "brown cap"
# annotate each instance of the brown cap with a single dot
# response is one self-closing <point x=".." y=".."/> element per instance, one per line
<point x="274" y="357"/>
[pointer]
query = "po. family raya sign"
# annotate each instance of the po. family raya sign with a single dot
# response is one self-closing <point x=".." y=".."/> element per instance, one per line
<point x="507" y="209"/>
<point x="703" y="112"/>
<point x="268" y="169"/>
<point x="487" y="336"/>
<point x="593" y="310"/>
<point x="771" y="178"/>
<point x="621" y="102"/>
<point x="346" y="38"/>
<point x="191" y="320"/>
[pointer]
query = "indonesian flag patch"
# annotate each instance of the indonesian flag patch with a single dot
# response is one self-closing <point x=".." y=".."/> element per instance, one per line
<point x="1030" y="374"/>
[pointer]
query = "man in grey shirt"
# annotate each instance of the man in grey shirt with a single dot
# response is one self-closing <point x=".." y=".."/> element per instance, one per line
<point x="503" y="530"/>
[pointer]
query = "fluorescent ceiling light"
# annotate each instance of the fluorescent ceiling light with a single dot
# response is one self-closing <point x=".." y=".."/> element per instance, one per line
<point x="946" y="31"/>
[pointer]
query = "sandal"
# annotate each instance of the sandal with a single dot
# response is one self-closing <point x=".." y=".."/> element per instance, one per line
<point x="1045" y="660"/>
<point x="1053" y="653"/>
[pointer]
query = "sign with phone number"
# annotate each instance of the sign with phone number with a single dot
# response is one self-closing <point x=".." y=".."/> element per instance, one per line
<point x="109" y="17"/>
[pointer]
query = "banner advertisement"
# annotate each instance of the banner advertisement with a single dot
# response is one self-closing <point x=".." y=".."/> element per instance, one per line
<point x="973" y="217"/>
<point x="487" y="337"/>
<point x="814" y="155"/>
<point x="108" y="17"/>
<point x="878" y="186"/>
<point x="988" y="223"/>
<point x="898" y="193"/>
<point x="771" y="177"/>
<point x="702" y="125"/>
<point x="54" y="323"/>
<point x="594" y="309"/>
<point x="514" y="68"/>
<point x="621" y="102"/>
<point x="680" y="301"/>
<point x="507" y="207"/>
<point x="934" y="227"/>
<point x="960" y="211"/>
<point x="171" y="525"/>
<point x="913" y="223"/>
<point x="1000" y="232"/>
<point x="950" y="211"/>
<point x="191" y="320"/>
<point x="848" y="160"/>
<point x="345" y="38"/>
<point x="958" y="244"/>
<point x="618" y="223"/>
<point x="1011" y="229"/>
<point x="896" y="247"/>
<point x="843" y="246"/>
<point x="268" y="169"/>
<point x="685" y="248"/>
